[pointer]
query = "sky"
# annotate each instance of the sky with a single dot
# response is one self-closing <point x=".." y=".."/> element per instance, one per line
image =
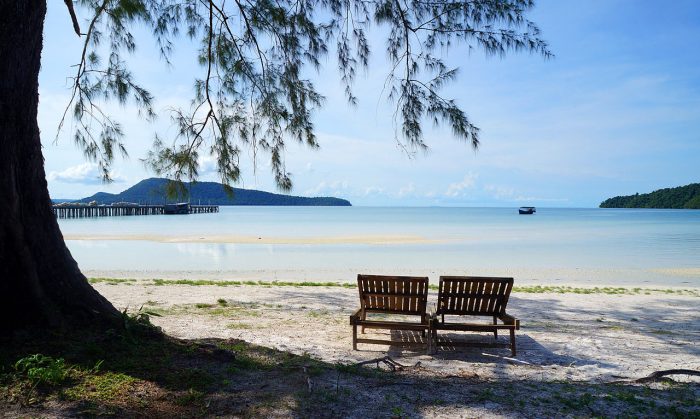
<point x="615" y="112"/>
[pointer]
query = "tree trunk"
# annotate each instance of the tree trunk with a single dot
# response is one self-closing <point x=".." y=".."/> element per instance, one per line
<point x="40" y="283"/>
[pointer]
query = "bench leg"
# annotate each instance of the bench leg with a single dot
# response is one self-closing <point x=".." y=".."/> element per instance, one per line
<point x="433" y="338"/>
<point x="364" y="317"/>
<point x="512" y="342"/>
<point x="354" y="337"/>
<point x="429" y="349"/>
<point x="495" y="331"/>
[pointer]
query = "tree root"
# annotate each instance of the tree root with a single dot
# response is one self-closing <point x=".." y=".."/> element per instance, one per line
<point x="661" y="375"/>
<point x="387" y="360"/>
<point x="658" y="376"/>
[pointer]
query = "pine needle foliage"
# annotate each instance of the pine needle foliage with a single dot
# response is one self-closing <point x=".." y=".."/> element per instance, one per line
<point x="254" y="90"/>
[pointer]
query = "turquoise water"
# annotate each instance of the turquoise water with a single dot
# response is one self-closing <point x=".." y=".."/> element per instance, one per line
<point x="606" y="246"/>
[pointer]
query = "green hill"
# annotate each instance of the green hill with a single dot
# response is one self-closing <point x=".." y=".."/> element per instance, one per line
<point x="154" y="191"/>
<point x="687" y="197"/>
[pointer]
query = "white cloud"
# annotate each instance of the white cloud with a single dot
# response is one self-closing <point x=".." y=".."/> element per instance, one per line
<point x="500" y="192"/>
<point x="207" y="165"/>
<point x="328" y="188"/>
<point x="373" y="190"/>
<point x="457" y="189"/>
<point x="509" y="194"/>
<point x="86" y="174"/>
<point x="407" y="190"/>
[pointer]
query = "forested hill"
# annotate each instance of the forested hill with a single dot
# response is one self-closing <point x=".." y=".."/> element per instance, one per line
<point x="154" y="191"/>
<point x="681" y="197"/>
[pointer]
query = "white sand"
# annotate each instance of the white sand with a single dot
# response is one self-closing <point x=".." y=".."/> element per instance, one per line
<point x="595" y="337"/>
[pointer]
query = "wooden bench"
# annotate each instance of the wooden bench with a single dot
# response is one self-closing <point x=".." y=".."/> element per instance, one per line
<point x="396" y="295"/>
<point x="473" y="296"/>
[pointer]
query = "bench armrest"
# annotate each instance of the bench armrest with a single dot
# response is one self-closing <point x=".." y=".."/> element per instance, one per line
<point x="355" y="316"/>
<point x="508" y="319"/>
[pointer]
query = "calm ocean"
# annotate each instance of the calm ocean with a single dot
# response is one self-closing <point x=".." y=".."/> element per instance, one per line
<point x="572" y="246"/>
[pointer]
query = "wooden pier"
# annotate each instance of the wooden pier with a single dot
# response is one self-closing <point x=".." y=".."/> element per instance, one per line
<point x="84" y="211"/>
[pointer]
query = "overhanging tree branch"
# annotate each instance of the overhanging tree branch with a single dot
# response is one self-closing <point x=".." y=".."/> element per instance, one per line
<point x="73" y="17"/>
<point x="256" y="55"/>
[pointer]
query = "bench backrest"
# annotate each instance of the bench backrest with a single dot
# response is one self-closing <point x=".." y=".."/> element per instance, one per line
<point x="393" y="294"/>
<point x="473" y="295"/>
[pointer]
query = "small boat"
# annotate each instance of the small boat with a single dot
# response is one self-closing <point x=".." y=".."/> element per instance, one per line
<point x="179" y="208"/>
<point x="527" y="210"/>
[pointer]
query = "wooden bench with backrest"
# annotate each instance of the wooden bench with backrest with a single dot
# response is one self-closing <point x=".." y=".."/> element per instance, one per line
<point x="473" y="296"/>
<point x="395" y="295"/>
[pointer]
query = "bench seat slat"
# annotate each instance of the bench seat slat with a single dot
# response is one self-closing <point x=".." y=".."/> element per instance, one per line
<point x="373" y="324"/>
<point x="390" y="342"/>
<point x="400" y="295"/>
<point x="474" y="296"/>
<point x="473" y="326"/>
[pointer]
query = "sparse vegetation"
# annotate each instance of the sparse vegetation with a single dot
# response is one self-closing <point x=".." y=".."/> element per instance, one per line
<point x="528" y="289"/>
<point x="41" y="369"/>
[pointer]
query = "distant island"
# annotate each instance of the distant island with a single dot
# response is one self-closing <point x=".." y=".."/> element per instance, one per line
<point x="682" y="197"/>
<point x="154" y="191"/>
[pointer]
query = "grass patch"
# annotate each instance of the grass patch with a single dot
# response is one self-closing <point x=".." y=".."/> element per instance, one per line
<point x="112" y="281"/>
<point x="560" y="289"/>
<point x="228" y="309"/>
<point x="319" y="313"/>
<point x="100" y="387"/>
<point x="227" y="283"/>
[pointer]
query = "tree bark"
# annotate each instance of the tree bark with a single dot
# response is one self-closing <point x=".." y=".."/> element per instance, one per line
<point x="40" y="283"/>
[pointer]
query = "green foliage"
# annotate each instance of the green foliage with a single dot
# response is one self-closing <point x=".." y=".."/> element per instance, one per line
<point x="137" y="323"/>
<point x="41" y="369"/>
<point x="693" y="203"/>
<point x="687" y="197"/>
<point x="254" y="92"/>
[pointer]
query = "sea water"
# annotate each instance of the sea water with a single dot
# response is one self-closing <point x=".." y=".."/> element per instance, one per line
<point x="572" y="246"/>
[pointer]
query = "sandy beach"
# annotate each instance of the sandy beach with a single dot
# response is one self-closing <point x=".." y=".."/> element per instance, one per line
<point x="602" y="302"/>
<point x="590" y="337"/>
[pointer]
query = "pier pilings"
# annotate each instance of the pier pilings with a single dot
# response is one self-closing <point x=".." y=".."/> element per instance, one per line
<point x="85" y="211"/>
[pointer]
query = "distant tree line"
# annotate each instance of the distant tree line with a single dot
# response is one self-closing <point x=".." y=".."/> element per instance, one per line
<point x="687" y="197"/>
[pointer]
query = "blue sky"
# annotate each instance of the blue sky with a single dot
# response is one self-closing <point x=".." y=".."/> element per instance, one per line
<point x="617" y="111"/>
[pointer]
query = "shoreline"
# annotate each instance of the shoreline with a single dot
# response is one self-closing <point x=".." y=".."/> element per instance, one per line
<point x="240" y="239"/>
<point x="573" y="277"/>
<point x="517" y="289"/>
